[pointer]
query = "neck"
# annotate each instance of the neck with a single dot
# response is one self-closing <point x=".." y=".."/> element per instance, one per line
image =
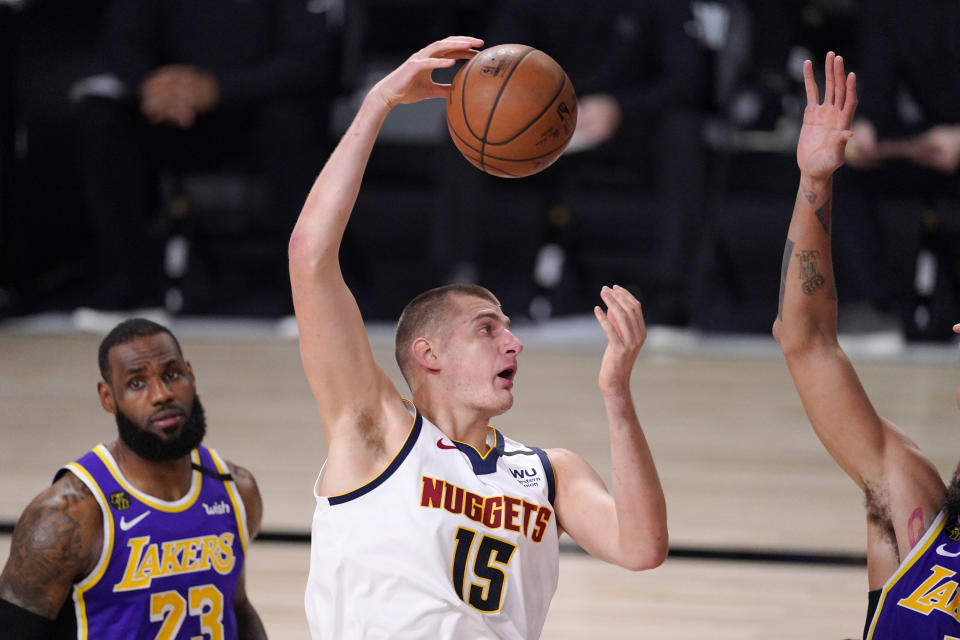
<point x="166" y="480"/>
<point x="463" y="424"/>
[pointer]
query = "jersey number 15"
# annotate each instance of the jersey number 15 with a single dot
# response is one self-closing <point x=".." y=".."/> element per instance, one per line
<point x="488" y="595"/>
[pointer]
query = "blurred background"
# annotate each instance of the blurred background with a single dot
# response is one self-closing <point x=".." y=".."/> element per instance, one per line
<point x="154" y="155"/>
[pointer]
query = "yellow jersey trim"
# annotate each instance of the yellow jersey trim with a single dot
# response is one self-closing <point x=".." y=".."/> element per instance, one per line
<point x="490" y="448"/>
<point x="915" y="554"/>
<point x="239" y="511"/>
<point x="175" y="506"/>
<point x="80" y="588"/>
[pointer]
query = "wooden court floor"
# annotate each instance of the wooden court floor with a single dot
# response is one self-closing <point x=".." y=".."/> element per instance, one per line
<point x="741" y="468"/>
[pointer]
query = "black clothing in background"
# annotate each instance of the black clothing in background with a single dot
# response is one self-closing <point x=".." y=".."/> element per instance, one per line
<point x="276" y="65"/>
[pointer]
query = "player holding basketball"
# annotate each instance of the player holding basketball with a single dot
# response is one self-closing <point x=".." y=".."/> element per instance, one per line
<point x="144" y="538"/>
<point x="430" y="523"/>
<point x="913" y="537"/>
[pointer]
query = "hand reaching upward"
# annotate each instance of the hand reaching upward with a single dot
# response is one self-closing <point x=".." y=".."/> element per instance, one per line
<point x="626" y="332"/>
<point x="826" y="127"/>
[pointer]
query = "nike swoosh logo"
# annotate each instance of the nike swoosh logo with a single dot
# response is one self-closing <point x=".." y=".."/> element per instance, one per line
<point x="126" y="525"/>
<point x="444" y="446"/>
<point x="942" y="552"/>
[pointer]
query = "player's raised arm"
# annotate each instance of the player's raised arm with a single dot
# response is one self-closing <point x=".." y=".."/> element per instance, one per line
<point x="346" y="381"/>
<point x="629" y="527"/>
<point x="870" y="449"/>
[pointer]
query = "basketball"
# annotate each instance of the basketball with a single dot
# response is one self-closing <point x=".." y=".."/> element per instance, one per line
<point x="511" y="111"/>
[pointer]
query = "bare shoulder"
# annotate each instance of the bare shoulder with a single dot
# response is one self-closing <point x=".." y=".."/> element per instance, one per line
<point x="246" y="483"/>
<point x="572" y="469"/>
<point x="564" y="459"/>
<point x="250" y="494"/>
<point x="56" y="542"/>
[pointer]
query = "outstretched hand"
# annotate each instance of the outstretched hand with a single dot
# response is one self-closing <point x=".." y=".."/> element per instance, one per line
<point x="826" y="127"/>
<point x="626" y="333"/>
<point x="411" y="81"/>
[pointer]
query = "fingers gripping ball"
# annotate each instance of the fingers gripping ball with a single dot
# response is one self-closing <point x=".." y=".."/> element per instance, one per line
<point x="512" y="110"/>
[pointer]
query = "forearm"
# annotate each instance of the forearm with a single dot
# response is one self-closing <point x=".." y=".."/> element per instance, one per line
<point x="249" y="626"/>
<point x="319" y="230"/>
<point x="808" y="300"/>
<point x="640" y="506"/>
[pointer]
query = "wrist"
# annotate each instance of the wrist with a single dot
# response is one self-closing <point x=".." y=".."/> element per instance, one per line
<point x="379" y="99"/>
<point x="816" y="184"/>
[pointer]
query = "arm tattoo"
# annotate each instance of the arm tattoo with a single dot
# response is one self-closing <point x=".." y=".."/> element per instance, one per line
<point x="810" y="196"/>
<point x="49" y="550"/>
<point x="812" y="280"/>
<point x="824" y="215"/>
<point x="787" y="252"/>
<point x="915" y="527"/>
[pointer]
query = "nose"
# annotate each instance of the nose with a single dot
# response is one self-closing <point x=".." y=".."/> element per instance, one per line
<point x="513" y="346"/>
<point x="159" y="392"/>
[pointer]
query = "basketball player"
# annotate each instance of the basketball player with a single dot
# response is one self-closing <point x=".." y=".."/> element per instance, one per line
<point x="144" y="537"/>
<point x="430" y="523"/>
<point x="913" y="537"/>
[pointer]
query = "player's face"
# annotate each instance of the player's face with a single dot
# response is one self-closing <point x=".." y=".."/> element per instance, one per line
<point x="480" y="355"/>
<point x="150" y="385"/>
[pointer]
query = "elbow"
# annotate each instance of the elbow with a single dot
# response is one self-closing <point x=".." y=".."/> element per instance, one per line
<point x="780" y="334"/>
<point x="799" y="338"/>
<point x="298" y="247"/>
<point x="305" y="254"/>
<point x="650" y="556"/>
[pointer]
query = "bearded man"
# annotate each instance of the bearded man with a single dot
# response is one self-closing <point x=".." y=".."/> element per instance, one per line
<point x="145" y="537"/>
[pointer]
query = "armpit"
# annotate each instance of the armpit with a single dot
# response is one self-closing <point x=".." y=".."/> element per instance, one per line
<point x="878" y="514"/>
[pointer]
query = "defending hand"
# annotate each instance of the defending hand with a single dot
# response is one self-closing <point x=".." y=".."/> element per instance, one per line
<point x="826" y="127"/>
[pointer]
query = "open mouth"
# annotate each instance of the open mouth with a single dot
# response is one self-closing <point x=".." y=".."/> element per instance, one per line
<point x="508" y="374"/>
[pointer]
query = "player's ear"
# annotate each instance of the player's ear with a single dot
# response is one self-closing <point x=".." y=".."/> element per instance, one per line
<point x="107" y="401"/>
<point x="425" y="355"/>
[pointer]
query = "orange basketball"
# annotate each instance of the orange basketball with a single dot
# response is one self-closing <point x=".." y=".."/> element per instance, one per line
<point x="512" y="110"/>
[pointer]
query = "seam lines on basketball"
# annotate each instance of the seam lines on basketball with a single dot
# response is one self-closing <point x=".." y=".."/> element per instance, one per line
<point x="466" y="144"/>
<point x="496" y="103"/>
<point x="563" y="83"/>
<point x="463" y="97"/>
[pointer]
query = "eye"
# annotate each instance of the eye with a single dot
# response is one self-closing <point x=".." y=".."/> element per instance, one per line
<point x="172" y="375"/>
<point x="135" y="383"/>
<point x="485" y="329"/>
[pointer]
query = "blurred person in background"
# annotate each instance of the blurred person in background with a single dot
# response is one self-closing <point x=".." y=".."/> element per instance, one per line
<point x="224" y="84"/>
<point x="638" y="74"/>
<point x="905" y="151"/>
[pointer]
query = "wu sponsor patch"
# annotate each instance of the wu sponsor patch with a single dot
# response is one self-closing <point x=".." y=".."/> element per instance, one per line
<point x="527" y="476"/>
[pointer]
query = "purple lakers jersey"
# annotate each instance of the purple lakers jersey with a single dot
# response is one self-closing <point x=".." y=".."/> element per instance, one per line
<point x="167" y="569"/>
<point x="921" y="600"/>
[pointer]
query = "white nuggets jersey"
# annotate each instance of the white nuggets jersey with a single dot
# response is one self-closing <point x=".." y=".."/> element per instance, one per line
<point x="445" y="543"/>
